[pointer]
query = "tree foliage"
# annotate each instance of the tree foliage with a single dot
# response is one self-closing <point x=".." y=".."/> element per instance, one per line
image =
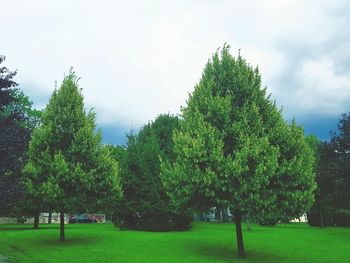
<point x="341" y="145"/>
<point x="145" y="205"/>
<point x="69" y="169"/>
<point x="17" y="120"/>
<point x="332" y="205"/>
<point x="233" y="148"/>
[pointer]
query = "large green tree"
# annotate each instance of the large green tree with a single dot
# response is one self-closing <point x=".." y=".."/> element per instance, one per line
<point x="69" y="169"/>
<point x="233" y="148"/>
<point x="145" y="204"/>
<point x="17" y="120"/>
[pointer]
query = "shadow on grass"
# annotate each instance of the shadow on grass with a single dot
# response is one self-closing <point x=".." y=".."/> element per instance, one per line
<point x="69" y="241"/>
<point x="222" y="253"/>
<point x="212" y="251"/>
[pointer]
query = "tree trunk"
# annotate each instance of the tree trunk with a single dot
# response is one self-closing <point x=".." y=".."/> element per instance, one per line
<point x="248" y="225"/>
<point x="49" y="220"/>
<point x="36" y="220"/>
<point x="239" y="235"/>
<point x="321" y="218"/>
<point x="61" y="226"/>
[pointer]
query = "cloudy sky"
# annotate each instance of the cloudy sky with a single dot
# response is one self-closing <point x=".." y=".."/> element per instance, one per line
<point x="137" y="59"/>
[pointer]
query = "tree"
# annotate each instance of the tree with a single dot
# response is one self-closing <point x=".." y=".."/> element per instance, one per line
<point x="145" y="205"/>
<point x="324" y="168"/>
<point x="332" y="206"/>
<point x="119" y="153"/>
<point x="233" y="148"/>
<point x="69" y="169"/>
<point x="17" y="120"/>
<point x="341" y="144"/>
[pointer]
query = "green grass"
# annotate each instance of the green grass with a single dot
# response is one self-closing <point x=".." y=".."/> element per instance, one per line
<point x="206" y="242"/>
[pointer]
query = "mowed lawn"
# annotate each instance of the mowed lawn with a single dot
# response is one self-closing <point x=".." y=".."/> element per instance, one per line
<point x="205" y="242"/>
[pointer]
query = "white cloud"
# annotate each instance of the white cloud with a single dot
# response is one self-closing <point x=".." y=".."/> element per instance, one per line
<point x="320" y="81"/>
<point x="141" y="58"/>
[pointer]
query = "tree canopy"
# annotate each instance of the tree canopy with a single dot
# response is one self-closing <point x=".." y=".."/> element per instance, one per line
<point x="69" y="169"/>
<point x="17" y="120"/>
<point x="332" y="205"/>
<point x="234" y="148"/>
<point x="145" y="204"/>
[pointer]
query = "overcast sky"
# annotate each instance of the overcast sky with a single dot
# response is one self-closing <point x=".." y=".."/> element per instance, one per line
<point x="137" y="59"/>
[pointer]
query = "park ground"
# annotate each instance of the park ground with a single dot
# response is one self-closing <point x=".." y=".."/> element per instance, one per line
<point x="205" y="242"/>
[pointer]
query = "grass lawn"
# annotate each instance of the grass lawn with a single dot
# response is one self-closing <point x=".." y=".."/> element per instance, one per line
<point x="206" y="242"/>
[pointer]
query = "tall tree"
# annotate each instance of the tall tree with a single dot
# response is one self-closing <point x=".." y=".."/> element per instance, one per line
<point x="69" y="169"/>
<point x="233" y="147"/>
<point x="332" y="205"/>
<point x="321" y="212"/>
<point x="340" y="143"/>
<point x="17" y="120"/>
<point x="145" y="205"/>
